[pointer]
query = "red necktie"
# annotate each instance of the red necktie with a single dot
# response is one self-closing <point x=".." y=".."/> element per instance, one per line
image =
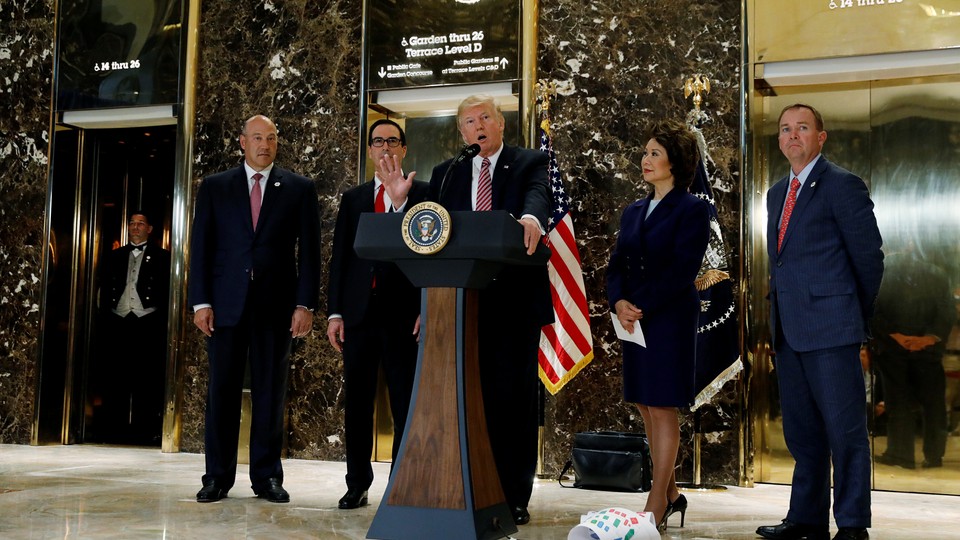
<point x="378" y="205"/>
<point x="788" y="210"/>
<point x="484" y="189"/>
<point x="256" y="199"/>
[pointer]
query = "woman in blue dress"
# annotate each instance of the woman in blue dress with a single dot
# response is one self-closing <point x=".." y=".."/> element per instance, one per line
<point x="650" y="280"/>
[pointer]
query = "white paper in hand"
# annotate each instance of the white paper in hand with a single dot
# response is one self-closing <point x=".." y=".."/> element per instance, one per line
<point x="635" y="337"/>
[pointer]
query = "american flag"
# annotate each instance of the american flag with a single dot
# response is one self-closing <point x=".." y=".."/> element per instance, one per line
<point x="566" y="346"/>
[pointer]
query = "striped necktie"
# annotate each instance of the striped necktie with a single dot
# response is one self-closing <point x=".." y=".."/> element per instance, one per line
<point x="484" y="187"/>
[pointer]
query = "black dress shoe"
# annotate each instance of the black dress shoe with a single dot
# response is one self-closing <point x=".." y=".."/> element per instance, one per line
<point x="354" y="498"/>
<point x="884" y="459"/>
<point x="788" y="530"/>
<point x="851" y="533"/>
<point x="520" y="515"/>
<point x="932" y="463"/>
<point x="273" y="491"/>
<point x="211" y="492"/>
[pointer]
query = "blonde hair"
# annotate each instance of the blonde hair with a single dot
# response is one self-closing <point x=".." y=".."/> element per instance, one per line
<point x="479" y="99"/>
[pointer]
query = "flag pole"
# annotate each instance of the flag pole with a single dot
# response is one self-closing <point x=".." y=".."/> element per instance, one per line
<point x="696" y="86"/>
<point x="542" y="92"/>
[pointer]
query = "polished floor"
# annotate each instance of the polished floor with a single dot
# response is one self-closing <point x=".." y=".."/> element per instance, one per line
<point x="945" y="480"/>
<point x="132" y="493"/>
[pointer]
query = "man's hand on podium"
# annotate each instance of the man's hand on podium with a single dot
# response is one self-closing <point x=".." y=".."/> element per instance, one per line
<point x="531" y="234"/>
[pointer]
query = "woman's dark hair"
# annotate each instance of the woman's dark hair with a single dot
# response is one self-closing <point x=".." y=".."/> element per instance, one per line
<point x="681" y="146"/>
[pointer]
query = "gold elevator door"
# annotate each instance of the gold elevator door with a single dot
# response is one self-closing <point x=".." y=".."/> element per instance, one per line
<point x="903" y="138"/>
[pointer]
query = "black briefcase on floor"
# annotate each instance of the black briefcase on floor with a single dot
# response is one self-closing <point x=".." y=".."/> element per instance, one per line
<point x="610" y="460"/>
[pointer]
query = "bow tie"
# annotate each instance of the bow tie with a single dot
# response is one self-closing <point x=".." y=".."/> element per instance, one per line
<point x="138" y="248"/>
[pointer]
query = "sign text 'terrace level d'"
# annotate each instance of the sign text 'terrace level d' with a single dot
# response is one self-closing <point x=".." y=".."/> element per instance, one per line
<point x="431" y="42"/>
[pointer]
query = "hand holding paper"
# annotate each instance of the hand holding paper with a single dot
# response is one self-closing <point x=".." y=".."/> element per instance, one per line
<point x="635" y="337"/>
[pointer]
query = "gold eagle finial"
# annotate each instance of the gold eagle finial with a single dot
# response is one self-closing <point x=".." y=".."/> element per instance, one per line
<point x="696" y="85"/>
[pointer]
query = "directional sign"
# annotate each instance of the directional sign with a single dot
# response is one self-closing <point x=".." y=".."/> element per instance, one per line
<point x="429" y="42"/>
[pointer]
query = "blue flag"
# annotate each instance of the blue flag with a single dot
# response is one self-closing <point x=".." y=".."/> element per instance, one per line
<point x="718" y="343"/>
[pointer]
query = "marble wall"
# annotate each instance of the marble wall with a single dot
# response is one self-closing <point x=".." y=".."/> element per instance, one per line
<point x="297" y="62"/>
<point x="618" y="64"/>
<point x="26" y="68"/>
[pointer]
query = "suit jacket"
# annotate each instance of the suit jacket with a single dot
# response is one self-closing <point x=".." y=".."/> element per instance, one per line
<point x="825" y="279"/>
<point x="153" y="280"/>
<point x="348" y="291"/>
<point x="916" y="300"/>
<point x="520" y="187"/>
<point x="656" y="259"/>
<point x="653" y="266"/>
<point x="282" y="255"/>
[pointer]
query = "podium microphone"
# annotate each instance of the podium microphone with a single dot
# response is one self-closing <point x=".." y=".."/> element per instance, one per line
<point x="467" y="153"/>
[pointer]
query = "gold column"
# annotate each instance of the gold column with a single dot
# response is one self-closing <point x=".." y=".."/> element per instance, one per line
<point x="528" y="77"/>
<point x="179" y="314"/>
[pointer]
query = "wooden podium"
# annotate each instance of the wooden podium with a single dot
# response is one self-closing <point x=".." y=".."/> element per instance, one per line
<point x="444" y="483"/>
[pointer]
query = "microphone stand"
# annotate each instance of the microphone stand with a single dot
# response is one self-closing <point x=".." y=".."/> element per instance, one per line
<point x="466" y="153"/>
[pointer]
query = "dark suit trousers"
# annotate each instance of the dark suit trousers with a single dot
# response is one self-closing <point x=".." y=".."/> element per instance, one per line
<point x="822" y="396"/>
<point x="379" y="341"/>
<point x="132" y="372"/>
<point x="910" y="378"/>
<point x="267" y="345"/>
<point x="508" y="377"/>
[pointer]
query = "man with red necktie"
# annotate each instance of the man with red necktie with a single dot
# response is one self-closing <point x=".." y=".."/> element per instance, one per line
<point x="254" y="285"/>
<point x="373" y="314"/>
<point x="514" y="307"/>
<point x="825" y="273"/>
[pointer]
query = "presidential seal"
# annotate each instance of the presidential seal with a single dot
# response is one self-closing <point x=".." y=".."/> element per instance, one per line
<point x="426" y="228"/>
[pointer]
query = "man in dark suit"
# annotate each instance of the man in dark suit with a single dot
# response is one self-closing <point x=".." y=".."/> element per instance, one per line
<point x="517" y="304"/>
<point x="915" y="314"/>
<point x="373" y="312"/>
<point x="255" y="266"/>
<point x="825" y="271"/>
<point x="135" y="289"/>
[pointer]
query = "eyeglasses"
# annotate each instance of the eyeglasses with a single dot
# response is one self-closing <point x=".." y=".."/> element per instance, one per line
<point x="392" y="142"/>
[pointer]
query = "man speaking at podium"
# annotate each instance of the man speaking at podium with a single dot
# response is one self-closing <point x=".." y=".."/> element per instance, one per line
<point x="517" y="303"/>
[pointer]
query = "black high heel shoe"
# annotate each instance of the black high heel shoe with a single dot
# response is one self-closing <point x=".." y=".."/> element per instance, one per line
<point x="678" y="505"/>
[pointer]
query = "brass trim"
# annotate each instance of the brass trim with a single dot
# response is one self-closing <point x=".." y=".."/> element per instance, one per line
<point x="179" y="235"/>
<point x="747" y="417"/>
<point x="863" y="68"/>
<point x="46" y="248"/>
<point x="77" y="277"/>
<point x="363" y="102"/>
<point x="528" y="78"/>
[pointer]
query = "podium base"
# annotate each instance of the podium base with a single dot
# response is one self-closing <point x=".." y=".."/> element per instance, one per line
<point x="444" y="483"/>
<point x="410" y="522"/>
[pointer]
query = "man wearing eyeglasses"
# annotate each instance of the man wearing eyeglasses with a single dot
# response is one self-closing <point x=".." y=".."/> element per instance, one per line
<point x="373" y="314"/>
